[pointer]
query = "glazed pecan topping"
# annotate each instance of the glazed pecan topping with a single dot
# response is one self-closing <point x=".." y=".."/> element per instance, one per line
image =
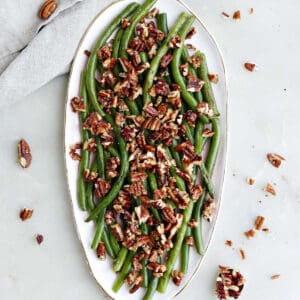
<point x="26" y="214"/>
<point x="169" y="215"/>
<point x="95" y="124"/>
<point x="142" y="31"/>
<point x="177" y="277"/>
<point x="214" y="78"/>
<point x="174" y="99"/>
<point x="190" y="117"/>
<point x="204" y="109"/>
<point x="125" y="23"/>
<point x="128" y="133"/>
<point x="195" y="61"/>
<point x="157" y="268"/>
<point x="104" y="52"/>
<point x="111" y="167"/>
<point x="194" y="84"/>
<point x="108" y="78"/>
<point x="101" y="251"/>
<point x="142" y="68"/>
<point x="191" y="33"/>
<point x="136" y="264"/>
<point x="117" y="232"/>
<point x="109" y="217"/>
<point x="136" y="189"/>
<point x="137" y="44"/>
<point x="166" y="60"/>
<point x="152" y="124"/>
<point x="90" y="145"/>
<point x="109" y="63"/>
<point x="229" y="283"/>
<point x="208" y="133"/>
<point x="175" y="42"/>
<point x="190" y="241"/>
<point x="142" y="213"/>
<point x="275" y="159"/>
<point x="186" y="177"/>
<point x="184" y="69"/>
<point x="101" y="188"/>
<point x="193" y="223"/>
<point x="138" y="176"/>
<point x="136" y="284"/>
<point x="150" y="111"/>
<point x="208" y="209"/>
<point x="196" y="191"/>
<point x="160" y="88"/>
<point x="130" y="278"/>
<point x="73" y="151"/>
<point x="77" y="104"/>
<point x="107" y="138"/>
<point x="119" y="119"/>
<point x="89" y="176"/>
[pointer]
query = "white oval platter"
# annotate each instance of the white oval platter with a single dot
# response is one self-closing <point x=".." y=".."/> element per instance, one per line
<point x="102" y="271"/>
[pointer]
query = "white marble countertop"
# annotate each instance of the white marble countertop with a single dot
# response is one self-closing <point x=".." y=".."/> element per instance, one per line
<point x="263" y="117"/>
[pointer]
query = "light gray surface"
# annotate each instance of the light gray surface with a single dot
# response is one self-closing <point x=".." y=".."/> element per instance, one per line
<point x="263" y="118"/>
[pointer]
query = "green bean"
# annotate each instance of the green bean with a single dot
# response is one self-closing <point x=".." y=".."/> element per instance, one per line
<point x="214" y="147"/>
<point x="124" y="272"/>
<point x="100" y="159"/>
<point x="197" y="231"/>
<point x="207" y="90"/>
<point x="120" y="259"/>
<point x="99" y="230"/>
<point x="115" y="48"/>
<point x="129" y="31"/>
<point x="155" y="213"/>
<point x="144" y="57"/>
<point x="162" y="22"/>
<point x="207" y="180"/>
<point x="108" y="247"/>
<point x="89" y="188"/>
<point x="188" y="131"/>
<point x="114" y="243"/>
<point x="132" y="107"/>
<point x="204" y="141"/>
<point x="113" y="151"/>
<point x="145" y="230"/>
<point x="152" y="181"/>
<point x="85" y="155"/>
<point x="176" y="155"/>
<point x="151" y="287"/>
<point x="198" y="137"/>
<point x="155" y="63"/>
<point x="185" y="253"/>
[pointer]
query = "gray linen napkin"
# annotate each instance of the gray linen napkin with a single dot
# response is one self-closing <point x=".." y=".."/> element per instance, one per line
<point x="30" y="54"/>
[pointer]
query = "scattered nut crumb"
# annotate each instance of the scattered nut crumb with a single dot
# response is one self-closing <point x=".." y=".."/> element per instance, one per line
<point x="47" y="9"/>
<point x="228" y="243"/>
<point x="226" y="15"/>
<point x="87" y="53"/>
<point x="39" y="238"/>
<point x="270" y="189"/>
<point x="24" y="154"/>
<point x="243" y="253"/>
<point x="275" y="276"/>
<point x="214" y="78"/>
<point x="275" y="159"/>
<point x="249" y="66"/>
<point x="26" y="214"/>
<point x="250" y="180"/>
<point x="251" y="11"/>
<point x="266" y="229"/>
<point x="250" y="233"/>
<point x="236" y="15"/>
<point x="259" y="222"/>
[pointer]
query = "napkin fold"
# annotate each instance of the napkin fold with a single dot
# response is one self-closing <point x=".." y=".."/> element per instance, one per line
<point x="34" y="51"/>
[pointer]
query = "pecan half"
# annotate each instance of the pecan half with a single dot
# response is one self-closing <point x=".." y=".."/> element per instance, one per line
<point x="177" y="277"/>
<point x="138" y="176"/>
<point x="47" y="9"/>
<point x="275" y="159"/>
<point x="26" y="214"/>
<point x="77" y="104"/>
<point x="24" y="154"/>
<point x="101" y="251"/>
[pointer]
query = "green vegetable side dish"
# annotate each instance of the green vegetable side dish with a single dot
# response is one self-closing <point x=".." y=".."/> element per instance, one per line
<point x="143" y="125"/>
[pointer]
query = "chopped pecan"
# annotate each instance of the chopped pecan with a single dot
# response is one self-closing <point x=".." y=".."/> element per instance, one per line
<point x="259" y="222"/>
<point x="152" y="13"/>
<point x="190" y="117"/>
<point x="195" y="191"/>
<point x="204" y="109"/>
<point x="166" y="60"/>
<point x="101" y="188"/>
<point x="236" y="15"/>
<point x="89" y="176"/>
<point x="152" y="51"/>
<point x="73" y="148"/>
<point x="90" y="145"/>
<point x="109" y="217"/>
<point x="214" y="78"/>
<point x="194" y="84"/>
<point x="47" y="9"/>
<point x="195" y="61"/>
<point x="153" y="257"/>
<point x="250" y="233"/>
<point x="275" y="159"/>
<point x="111" y="167"/>
<point x="250" y="180"/>
<point x="107" y="138"/>
<point x="184" y="69"/>
<point x="104" y="52"/>
<point x="174" y="229"/>
<point x="208" y="209"/>
<point x="152" y="124"/>
<point x="174" y="99"/>
<point x="128" y="133"/>
<point x="190" y="241"/>
<point x="95" y="124"/>
<point x="169" y="215"/>
<point x="226" y="15"/>
<point x="175" y="42"/>
<point x="24" y="154"/>
<point x="138" y="176"/>
<point x="137" y="44"/>
<point x="229" y="283"/>
<point x="157" y="269"/>
<point x="191" y="33"/>
<point x="275" y="276"/>
<point x="193" y="223"/>
<point x="108" y="78"/>
<point x="142" y="31"/>
<point x="191" y="47"/>
<point x="137" y="284"/>
<point x="136" y="189"/>
<point x="101" y="251"/>
<point x="109" y="63"/>
<point x="26" y="214"/>
<point x="249" y="66"/>
<point x="117" y="232"/>
<point x="142" y="68"/>
<point x="137" y="266"/>
<point x="156" y="34"/>
<point x="77" y="104"/>
<point x="270" y="189"/>
<point x="142" y="213"/>
<point x="130" y="278"/>
<point x="125" y="23"/>
<point x="207" y="133"/>
<point x="119" y="119"/>
<point x="39" y="238"/>
<point x="228" y="243"/>
<point x="150" y="111"/>
<point x="242" y="253"/>
<point x="185" y="176"/>
<point x="160" y="88"/>
<point x="122" y="202"/>
<point x="177" y="277"/>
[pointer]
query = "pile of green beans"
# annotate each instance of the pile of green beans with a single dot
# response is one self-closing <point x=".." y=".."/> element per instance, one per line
<point x="99" y="208"/>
